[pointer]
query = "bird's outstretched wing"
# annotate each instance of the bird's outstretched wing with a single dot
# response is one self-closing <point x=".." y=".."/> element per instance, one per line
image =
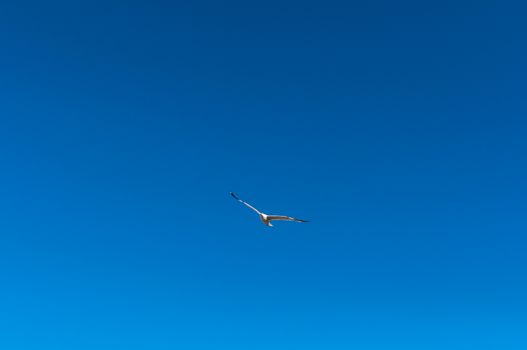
<point x="246" y="204"/>
<point x="283" y="217"/>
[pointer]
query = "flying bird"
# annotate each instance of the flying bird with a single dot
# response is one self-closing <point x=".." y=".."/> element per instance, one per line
<point x="266" y="219"/>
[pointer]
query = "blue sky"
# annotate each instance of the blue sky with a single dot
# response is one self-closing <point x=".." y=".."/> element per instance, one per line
<point x="397" y="128"/>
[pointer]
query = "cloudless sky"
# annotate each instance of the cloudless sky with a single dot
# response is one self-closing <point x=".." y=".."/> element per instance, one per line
<point x="398" y="128"/>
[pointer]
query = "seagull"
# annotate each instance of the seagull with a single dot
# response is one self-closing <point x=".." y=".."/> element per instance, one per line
<point x="266" y="219"/>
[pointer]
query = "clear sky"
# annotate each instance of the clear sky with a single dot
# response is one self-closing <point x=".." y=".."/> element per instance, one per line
<point x="398" y="128"/>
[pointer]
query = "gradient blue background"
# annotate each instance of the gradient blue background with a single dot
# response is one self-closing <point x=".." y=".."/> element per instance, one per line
<point x="398" y="128"/>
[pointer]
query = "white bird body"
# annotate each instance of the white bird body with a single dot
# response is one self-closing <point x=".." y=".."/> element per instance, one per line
<point x="264" y="218"/>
